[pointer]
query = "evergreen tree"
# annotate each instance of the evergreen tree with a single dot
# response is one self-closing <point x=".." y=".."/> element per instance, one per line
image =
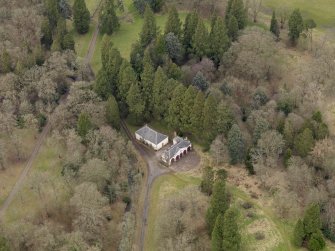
<point x="236" y="145"/>
<point x="197" y="116"/>
<point x="218" y="205"/>
<point x="68" y="42"/>
<point x="127" y="77"/>
<point x="173" y="24"/>
<point x="46" y="33"/>
<point x="239" y="12"/>
<point x="225" y="119"/>
<point x="4" y="246"/>
<point x="5" y="62"/>
<point x="81" y="16"/>
<point x="287" y="156"/>
<point x="112" y="112"/>
<point x="52" y="13"/>
<point x="274" y="27"/>
<point x="219" y="40"/>
<point x="262" y="125"/>
<point x="101" y="86"/>
<point x="60" y="32"/>
<point x="187" y="107"/>
<point x="200" y="40"/>
<point x="174" y="48"/>
<point x="230" y="231"/>
<point x="304" y="142"/>
<point x="210" y="118"/>
<point x="147" y="82"/>
<point x="156" y="5"/>
<point x="149" y="29"/>
<point x="136" y="104"/>
<point x="158" y="51"/>
<point x="299" y="233"/>
<point x="312" y="221"/>
<point x="207" y="180"/>
<point x="112" y="69"/>
<point x="248" y="163"/>
<point x="228" y="10"/>
<point x="84" y="125"/>
<point x="175" y="109"/>
<point x="106" y="46"/>
<point x="136" y="57"/>
<point x="200" y="81"/>
<point x="217" y="234"/>
<point x="190" y="26"/>
<point x="158" y="96"/>
<point x="64" y="9"/>
<point x="172" y="70"/>
<point x="295" y="25"/>
<point x="108" y="20"/>
<point x="232" y="28"/>
<point x="316" y="242"/>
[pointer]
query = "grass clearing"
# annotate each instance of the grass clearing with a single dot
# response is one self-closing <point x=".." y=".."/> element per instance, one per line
<point x="9" y="176"/>
<point x="322" y="11"/>
<point x="53" y="189"/>
<point x="163" y="186"/>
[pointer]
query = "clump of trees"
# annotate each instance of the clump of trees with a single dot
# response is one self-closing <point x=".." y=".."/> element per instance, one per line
<point x="108" y="20"/>
<point x="307" y="232"/>
<point x="222" y="220"/>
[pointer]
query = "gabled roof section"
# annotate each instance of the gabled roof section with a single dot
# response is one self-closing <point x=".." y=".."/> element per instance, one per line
<point x="151" y="135"/>
<point x="172" y="150"/>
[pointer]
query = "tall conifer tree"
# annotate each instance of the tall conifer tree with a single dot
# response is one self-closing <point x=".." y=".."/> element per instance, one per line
<point x="149" y="29"/>
<point x="218" y="205"/>
<point x="274" y="26"/>
<point x="112" y="112"/>
<point x="187" y="108"/>
<point x="201" y="40"/>
<point x="217" y="234"/>
<point x="190" y="26"/>
<point x="108" y="20"/>
<point x="175" y="108"/>
<point x="197" y="116"/>
<point x="159" y="94"/>
<point x="81" y="16"/>
<point x="147" y="81"/>
<point x="210" y="118"/>
<point x="230" y="231"/>
<point x="219" y="40"/>
<point x="136" y="104"/>
<point x="173" y="23"/>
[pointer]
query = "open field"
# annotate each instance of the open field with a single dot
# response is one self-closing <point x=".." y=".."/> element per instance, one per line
<point x="45" y="175"/>
<point x="322" y="11"/>
<point x="9" y="176"/>
<point x="164" y="185"/>
<point x="257" y="219"/>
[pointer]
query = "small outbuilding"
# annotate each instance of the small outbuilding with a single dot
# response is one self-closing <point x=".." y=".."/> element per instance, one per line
<point x="152" y="138"/>
<point x="179" y="148"/>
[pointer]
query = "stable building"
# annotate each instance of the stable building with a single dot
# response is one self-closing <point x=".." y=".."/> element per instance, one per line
<point x="179" y="148"/>
<point x="152" y="138"/>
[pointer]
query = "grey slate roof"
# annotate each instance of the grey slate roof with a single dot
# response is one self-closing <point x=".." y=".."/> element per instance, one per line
<point x="172" y="150"/>
<point x="151" y="135"/>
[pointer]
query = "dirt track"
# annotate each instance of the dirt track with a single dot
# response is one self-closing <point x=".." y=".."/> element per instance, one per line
<point x="42" y="136"/>
<point x="154" y="170"/>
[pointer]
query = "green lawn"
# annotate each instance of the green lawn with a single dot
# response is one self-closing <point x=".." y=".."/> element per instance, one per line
<point x="126" y="36"/>
<point x="322" y="11"/>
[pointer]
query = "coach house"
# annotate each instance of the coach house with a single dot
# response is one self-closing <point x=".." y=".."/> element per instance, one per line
<point x="179" y="148"/>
